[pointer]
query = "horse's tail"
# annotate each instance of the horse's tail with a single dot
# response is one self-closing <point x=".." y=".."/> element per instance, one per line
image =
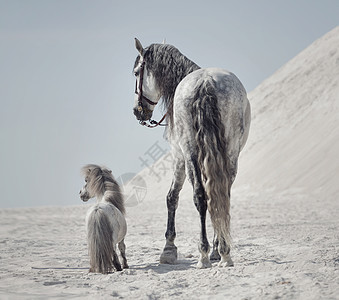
<point x="212" y="157"/>
<point x="100" y="242"/>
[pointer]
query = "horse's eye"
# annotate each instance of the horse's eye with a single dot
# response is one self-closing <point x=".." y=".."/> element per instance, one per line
<point x="136" y="73"/>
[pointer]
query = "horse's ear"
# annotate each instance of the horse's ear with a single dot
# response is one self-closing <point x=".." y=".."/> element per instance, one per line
<point x="139" y="47"/>
<point x="164" y="41"/>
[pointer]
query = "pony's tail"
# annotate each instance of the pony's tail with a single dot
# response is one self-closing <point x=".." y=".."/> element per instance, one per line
<point x="212" y="157"/>
<point x="100" y="242"/>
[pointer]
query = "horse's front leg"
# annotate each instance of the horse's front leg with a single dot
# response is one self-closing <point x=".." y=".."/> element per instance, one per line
<point x="169" y="254"/>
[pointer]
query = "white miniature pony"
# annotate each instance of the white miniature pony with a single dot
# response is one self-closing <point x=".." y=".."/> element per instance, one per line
<point x="105" y="221"/>
<point x="209" y="115"/>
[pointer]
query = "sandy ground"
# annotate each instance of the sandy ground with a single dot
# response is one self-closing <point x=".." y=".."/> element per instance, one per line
<point x="285" y="246"/>
<point x="285" y="212"/>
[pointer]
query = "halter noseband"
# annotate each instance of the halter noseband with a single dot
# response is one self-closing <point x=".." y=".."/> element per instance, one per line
<point x="142" y="97"/>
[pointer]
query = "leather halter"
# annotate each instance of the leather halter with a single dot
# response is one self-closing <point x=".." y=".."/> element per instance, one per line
<point x="141" y="97"/>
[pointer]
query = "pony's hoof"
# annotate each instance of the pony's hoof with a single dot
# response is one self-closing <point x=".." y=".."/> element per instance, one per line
<point x="215" y="255"/>
<point x="169" y="255"/>
<point x="117" y="266"/>
<point x="126" y="266"/>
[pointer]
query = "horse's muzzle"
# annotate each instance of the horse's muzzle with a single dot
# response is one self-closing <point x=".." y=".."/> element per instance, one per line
<point x="142" y="114"/>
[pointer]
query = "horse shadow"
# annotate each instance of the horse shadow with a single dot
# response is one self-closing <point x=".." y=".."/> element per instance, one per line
<point x="180" y="265"/>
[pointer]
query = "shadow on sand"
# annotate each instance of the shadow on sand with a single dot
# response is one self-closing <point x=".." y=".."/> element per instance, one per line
<point x="181" y="265"/>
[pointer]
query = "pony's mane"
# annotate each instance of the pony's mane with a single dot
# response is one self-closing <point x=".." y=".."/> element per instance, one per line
<point x="168" y="66"/>
<point x="101" y="182"/>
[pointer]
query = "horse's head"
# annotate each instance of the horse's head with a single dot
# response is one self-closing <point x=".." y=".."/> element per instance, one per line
<point x="147" y="93"/>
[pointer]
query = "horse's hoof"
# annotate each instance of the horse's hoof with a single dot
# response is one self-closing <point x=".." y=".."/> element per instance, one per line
<point x="169" y="255"/>
<point x="126" y="266"/>
<point x="215" y="255"/>
<point x="169" y="260"/>
<point x="204" y="264"/>
<point x="228" y="262"/>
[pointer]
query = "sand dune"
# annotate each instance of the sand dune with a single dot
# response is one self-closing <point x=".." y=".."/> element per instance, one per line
<point x="284" y="212"/>
<point x="294" y="141"/>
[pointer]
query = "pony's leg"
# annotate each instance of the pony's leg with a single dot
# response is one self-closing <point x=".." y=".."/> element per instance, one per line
<point x="169" y="254"/>
<point x="116" y="262"/>
<point x="215" y="252"/>
<point x="122" y="249"/>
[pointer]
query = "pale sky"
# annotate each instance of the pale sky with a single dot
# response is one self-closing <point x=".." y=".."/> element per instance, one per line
<point x="67" y="88"/>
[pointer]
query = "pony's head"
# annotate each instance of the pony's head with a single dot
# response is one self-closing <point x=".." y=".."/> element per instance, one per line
<point x="84" y="194"/>
<point x="94" y="181"/>
<point x="147" y="92"/>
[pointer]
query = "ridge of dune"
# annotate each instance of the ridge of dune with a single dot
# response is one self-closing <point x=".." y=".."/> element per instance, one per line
<point x="294" y="137"/>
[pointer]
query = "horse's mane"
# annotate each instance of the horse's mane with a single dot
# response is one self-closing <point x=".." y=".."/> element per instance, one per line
<point x="101" y="182"/>
<point x="168" y="66"/>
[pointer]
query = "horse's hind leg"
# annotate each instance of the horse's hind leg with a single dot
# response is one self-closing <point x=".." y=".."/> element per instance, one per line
<point x="122" y="249"/>
<point x="224" y="250"/>
<point x="169" y="254"/>
<point x="200" y="201"/>
<point x="204" y="247"/>
<point x="215" y="252"/>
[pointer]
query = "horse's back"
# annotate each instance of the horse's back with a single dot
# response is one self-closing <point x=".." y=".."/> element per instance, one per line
<point x="224" y="81"/>
<point x="231" y="96"/>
